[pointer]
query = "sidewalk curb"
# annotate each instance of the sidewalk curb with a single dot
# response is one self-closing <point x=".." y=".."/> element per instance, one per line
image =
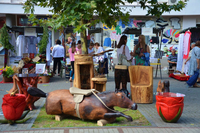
<point x="35" y="115"/>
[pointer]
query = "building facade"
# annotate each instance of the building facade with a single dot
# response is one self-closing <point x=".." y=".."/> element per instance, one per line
<point x="12" y="14"/>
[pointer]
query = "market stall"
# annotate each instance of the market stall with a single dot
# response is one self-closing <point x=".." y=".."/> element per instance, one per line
<point x="27" y="45"/>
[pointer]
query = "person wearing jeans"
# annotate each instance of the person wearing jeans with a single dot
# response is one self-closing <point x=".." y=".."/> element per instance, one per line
<point x="58" y="54"/>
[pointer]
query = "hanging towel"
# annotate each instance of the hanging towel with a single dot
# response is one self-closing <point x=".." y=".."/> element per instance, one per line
<point x="180" y="53"/>
<point x="186" y="44"/>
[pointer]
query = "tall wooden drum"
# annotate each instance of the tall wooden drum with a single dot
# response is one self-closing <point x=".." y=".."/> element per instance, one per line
<point x="121" y="75"/>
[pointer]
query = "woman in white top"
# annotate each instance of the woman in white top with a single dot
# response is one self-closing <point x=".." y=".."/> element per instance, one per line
<point x="122" y="48"/>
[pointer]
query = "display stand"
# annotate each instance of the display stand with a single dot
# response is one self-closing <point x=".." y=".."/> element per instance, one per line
<point x="162" y="27"/>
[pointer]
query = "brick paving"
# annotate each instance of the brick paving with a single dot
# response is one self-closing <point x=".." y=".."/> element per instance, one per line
<point x="189" y="121"/>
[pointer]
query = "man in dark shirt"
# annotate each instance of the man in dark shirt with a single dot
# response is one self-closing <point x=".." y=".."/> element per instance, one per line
<point x="172" y="59"/>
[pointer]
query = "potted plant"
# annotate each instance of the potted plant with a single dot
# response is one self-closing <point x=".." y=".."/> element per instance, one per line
<point x="44" y="78"/>
<point x="7" y="73"/>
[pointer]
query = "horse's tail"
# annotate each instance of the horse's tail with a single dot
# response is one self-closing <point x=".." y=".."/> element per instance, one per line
<point x="33" y="91"/>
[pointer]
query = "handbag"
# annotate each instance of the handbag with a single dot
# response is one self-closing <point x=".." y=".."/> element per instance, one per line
<point x="122" y="60"/>
<point x="193" y="79"/>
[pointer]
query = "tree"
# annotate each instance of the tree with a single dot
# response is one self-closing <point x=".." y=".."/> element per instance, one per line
<point x="4" y="39"/>
<point x="85" y="13"/>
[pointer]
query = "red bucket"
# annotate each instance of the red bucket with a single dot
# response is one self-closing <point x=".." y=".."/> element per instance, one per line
<point x="170" y="106"/>
<point x="13" y="106"/>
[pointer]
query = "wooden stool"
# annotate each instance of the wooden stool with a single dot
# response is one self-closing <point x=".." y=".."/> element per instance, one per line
<point x="99" y="84"/>
<point x="121" y="75"/>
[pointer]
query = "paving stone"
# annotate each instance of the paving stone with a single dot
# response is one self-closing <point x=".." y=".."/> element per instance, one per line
<point x="189" y="120"/>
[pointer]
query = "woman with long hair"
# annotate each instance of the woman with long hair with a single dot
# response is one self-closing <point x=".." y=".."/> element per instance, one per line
<point x="139" y="50"/>
<point x="122" y="48"/>
<point x="121" y="76"/>
<point x="72" y="51"/>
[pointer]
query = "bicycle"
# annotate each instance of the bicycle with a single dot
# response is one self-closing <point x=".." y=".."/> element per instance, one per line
<point x="110" y="62"/>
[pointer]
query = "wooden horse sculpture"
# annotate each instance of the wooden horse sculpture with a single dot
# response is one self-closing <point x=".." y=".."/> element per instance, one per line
<point x="61" y="102"/>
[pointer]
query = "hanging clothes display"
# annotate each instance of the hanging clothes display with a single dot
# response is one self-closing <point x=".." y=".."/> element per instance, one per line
<point x="32" y="41"/>
<point x="48" y="55"/>
<point x="12" y="42"/>
<point x="39" y="39"/>
<point x="21" y="45"/>
<point x="107" y="42"/>
<point x="180" y="53"/>
<point x="186" y="44"/>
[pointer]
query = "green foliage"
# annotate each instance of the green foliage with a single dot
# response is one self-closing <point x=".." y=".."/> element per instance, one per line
<point x="44" y="120"/>
<point x="4" y="38"/>
<point x="84" y="13"/>
<point x="44" y="41"/>
<point x="7" y="72"/>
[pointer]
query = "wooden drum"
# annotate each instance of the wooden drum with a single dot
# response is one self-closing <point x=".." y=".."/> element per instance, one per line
<point x="121" y="75"/>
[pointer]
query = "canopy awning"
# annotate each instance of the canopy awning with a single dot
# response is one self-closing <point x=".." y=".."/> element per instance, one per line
<point x="137" y="31"/>
<point x="21" y="28"/>
<point x="191" y="29"/>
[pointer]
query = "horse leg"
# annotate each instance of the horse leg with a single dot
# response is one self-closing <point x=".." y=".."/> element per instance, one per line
<point x="110" y="115"/>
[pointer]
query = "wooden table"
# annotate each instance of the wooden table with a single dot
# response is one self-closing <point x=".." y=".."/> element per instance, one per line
<point x="26" y="81"/>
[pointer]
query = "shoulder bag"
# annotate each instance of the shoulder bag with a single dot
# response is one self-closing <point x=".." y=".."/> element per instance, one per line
<point x="122" y="60"/>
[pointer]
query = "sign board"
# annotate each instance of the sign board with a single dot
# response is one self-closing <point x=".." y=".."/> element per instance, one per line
<point x="30" y="32"/>
<point x="147" y="31"/>
<point x="40" y="68"/>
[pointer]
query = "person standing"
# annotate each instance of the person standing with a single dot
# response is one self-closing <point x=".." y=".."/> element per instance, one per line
<point x="195" y="61"/>
<point x="122" y="48"/>
<point x="139" y="51"/>
<point x="187" y="62"/>
<point x="123" y="76"/>
<point x="58" y="54"/>
<point x="190" y="53"/>
<point x="72" y="51"/>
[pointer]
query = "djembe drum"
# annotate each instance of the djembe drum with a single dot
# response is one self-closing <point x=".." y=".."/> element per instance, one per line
<point x="121" y="75"/>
